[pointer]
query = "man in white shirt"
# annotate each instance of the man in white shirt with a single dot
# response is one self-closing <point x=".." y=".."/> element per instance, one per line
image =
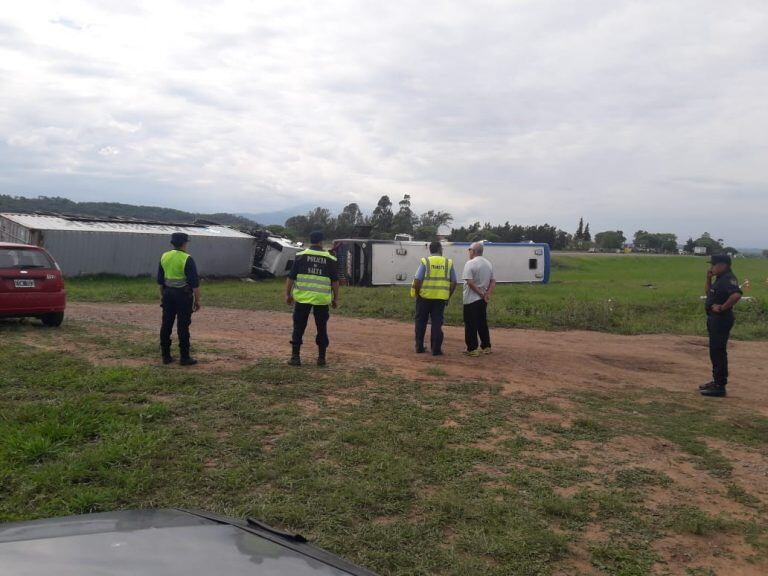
<point x="478" y="287"/>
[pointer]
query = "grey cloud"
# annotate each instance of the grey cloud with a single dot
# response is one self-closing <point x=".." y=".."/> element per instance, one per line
<point x="67" y="23"/>
<point x="88" y="69"/>
<point x="632" y="114"/>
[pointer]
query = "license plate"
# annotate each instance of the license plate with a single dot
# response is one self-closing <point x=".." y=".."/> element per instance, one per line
<point x="24" y="283"/>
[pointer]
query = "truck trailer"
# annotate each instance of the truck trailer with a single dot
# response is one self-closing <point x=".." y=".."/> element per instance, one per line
<point x="365" y="262"/>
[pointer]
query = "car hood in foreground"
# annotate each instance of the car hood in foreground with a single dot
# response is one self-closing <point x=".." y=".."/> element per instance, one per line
<point x="158" y="543"/>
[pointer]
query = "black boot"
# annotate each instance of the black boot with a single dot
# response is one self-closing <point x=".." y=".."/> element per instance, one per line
<point x="186" y="359"/>
<point x="295" y="356"/>
<point x="321" y="357"/>
<point x="166" y="352"/>
<point x="707" y="386"/>
<point x="716" y="391"/>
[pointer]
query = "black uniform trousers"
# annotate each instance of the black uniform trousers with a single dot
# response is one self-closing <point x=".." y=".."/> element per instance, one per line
<point x="719" y="328"/>
<point x="433" y="311"/>
<point x="301" y="318"/>
<point x="177" y="308"/>
<point x="476" y="324"/>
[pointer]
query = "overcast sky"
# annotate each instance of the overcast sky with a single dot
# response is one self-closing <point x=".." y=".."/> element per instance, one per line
<point x="649" y="114"/>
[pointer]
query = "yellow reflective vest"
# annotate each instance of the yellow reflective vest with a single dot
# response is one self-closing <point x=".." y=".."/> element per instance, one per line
<point x="173" y="263"/>
<point x="313" y="281"/>
<point x="437" y="278"/>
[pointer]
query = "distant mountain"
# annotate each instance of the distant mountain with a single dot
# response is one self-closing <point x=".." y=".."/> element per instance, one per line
<point x="269" y="218"/>
<point x="280" y="216"/>
<point x="114" y="209"/>
<point x="751" y="251"/>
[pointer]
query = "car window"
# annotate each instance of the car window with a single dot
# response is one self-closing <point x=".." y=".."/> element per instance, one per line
<point x="24" y="258"/>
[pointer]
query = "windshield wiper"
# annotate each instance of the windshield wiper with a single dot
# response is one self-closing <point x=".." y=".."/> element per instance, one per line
<point x="287" y="535"/>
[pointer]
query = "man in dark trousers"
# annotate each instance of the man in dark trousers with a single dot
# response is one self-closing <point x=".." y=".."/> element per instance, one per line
<point x="180" y="297"/>
<point x="723" y="293"/>
<point x="433" y="286"/>
<point x="478" y="287"/>
<point x="312" y="287"/>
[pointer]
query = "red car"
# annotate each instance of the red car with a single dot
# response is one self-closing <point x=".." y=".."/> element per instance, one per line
<point x="31" y="284"/>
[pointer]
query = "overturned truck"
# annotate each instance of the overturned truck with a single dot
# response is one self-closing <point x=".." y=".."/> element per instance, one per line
<point x="274" y="255"/>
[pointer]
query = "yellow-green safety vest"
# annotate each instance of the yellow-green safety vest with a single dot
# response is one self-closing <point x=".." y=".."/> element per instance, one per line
<point x="311" y="288"/>
<point x="437" y="278"/>
<point x="173" y="263"/>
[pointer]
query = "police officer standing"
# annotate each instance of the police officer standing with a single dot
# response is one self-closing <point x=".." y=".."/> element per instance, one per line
<point x="180" y="297"/>
<point x="723" y="293"/>
<point x="312" y="287"/>
<point x="433" y="285"/>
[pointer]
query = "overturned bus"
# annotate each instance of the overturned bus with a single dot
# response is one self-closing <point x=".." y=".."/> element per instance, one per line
<point x="366" y="262"/>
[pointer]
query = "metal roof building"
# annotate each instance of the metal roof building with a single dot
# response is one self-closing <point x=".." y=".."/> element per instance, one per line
<point x="85" y="246"/>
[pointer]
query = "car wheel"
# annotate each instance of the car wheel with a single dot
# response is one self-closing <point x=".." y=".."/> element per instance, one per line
<point x="53" y="319"/>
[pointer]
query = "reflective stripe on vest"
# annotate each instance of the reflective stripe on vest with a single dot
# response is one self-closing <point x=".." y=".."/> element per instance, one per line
<point x="173" y="264"/>
<point x="313" y="288"/>
<point x="437" y="278"/>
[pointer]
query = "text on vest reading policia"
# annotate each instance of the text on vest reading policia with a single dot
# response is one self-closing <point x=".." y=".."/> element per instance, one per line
<point x="315" y="260"/>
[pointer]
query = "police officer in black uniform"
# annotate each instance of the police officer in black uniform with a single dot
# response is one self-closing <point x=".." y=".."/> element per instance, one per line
<point x="312" y="287"/>
<point x="180" y="297"/>
<point x="723" y="293"/>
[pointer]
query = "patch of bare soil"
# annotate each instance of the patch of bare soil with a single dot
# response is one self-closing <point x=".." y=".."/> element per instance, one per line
<point x="717" y="554"/>
<point x="750" y="467"/>
<point x="721" y="553"/>
<point x="529" y="361"/>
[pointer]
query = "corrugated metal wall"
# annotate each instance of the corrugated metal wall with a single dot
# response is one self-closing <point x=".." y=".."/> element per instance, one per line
<point x="14" y="233"/>
<point x="82" y="253"/>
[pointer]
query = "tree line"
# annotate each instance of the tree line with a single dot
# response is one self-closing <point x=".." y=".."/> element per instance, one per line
<point x="384" y="221"/>
<point x="660" y="242"/>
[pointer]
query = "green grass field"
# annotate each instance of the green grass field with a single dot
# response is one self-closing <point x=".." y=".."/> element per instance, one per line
<point x="604" y="293"/>
<point x="432" y="477"/>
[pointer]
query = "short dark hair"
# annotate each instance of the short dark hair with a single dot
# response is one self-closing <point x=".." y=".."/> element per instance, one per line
<point x="435" y="247"/>
<point x="178" y="239"/>
<point x="721" y="259"/>
<point x="316" y="237"/>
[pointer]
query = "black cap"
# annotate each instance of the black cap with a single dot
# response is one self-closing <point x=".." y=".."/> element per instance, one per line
<point x="316" y="237"/>
<point x="720" y="259"/>
<point x="179" y="238"/>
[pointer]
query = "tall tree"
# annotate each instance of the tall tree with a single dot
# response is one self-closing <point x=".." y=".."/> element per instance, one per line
<point x="656" y="242"/>
<point x="430" y="222"/>
<point x="610" y="239"/>
<point x="579" y="231"/>
<point x="381" y="219"/>
<point x="298" y="226"/>
<point x="587" y="236"/>
<point x="713" y="246"/>
<point x="405" y="220"/>
<point x="349" y="217"/>
<point x="320" y="219"/>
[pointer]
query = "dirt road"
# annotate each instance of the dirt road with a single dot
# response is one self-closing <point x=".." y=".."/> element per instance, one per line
<point x="523" y="360"/>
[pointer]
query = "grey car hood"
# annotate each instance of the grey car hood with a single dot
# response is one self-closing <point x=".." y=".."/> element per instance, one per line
<point x="158" y="543"/>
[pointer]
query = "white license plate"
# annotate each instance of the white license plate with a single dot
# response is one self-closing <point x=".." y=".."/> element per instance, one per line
<point x="24" y="283"/>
